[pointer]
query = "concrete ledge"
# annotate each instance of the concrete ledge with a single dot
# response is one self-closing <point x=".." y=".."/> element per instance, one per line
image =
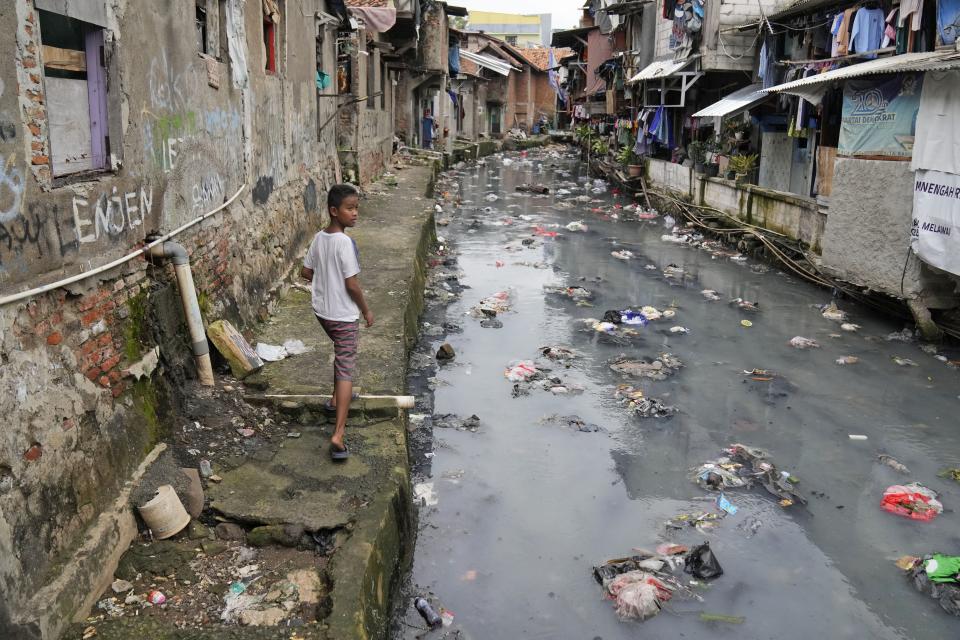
<point x="90" y="570"/>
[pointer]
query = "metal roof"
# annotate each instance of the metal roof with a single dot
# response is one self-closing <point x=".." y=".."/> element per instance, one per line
<point x="739" y="100"/>
<point x="803" y="6"/>
<point x="569" y="37"/>
<point x="661" y="69"/>
<point x="489" y="62"/>
<point x="813" y="87"/>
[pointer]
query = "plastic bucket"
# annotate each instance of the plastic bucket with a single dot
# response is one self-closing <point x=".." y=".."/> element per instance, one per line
<point x="164" y="514"/>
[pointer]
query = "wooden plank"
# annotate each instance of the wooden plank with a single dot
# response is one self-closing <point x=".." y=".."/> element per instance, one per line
<point x="68" y="116"/>
<point x="64" y="59"/>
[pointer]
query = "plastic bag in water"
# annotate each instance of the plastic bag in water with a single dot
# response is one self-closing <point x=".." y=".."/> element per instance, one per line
<point x="702" y="563"/>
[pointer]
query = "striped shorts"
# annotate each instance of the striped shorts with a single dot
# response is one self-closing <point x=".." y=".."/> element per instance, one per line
<point x="346" y="337"/>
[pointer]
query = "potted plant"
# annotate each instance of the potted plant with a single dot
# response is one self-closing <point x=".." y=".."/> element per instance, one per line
<point x="698" y="154"/>
<point x="599" y="147"/>
<point x="742" y="165"/>
<point x="630" y="161"/>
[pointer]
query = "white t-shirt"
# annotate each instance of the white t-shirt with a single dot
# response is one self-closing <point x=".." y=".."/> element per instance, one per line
<point x="334" y="258"/>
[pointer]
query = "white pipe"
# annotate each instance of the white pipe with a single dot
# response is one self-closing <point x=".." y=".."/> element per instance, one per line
<point x="403" y="402"/>
<point x="29" y="293"/>
<point x="191" y="307"/>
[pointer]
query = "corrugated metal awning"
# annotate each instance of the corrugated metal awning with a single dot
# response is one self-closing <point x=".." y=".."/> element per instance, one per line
<point x="813" y="87"/>
<point x="494" y="64"/>
<point x="739" y="100"/>
<point x="661" y="69"/>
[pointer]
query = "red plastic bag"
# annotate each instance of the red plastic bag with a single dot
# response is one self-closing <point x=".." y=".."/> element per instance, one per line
<point x="540" y="231"/>
<point x="913" y="501"/>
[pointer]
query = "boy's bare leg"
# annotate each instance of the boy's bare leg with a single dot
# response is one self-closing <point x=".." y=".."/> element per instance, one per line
<point x="342" y="394"/>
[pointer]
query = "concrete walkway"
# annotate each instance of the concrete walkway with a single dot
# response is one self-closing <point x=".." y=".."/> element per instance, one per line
<point x="366" y="499"/>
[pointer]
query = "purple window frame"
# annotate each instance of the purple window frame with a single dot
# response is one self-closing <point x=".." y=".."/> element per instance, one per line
<point x="97" y="97"/>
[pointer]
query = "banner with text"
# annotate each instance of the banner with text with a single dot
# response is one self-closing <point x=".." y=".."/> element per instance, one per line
<point x="879" y="116"/>
<point x="935" y="236"/>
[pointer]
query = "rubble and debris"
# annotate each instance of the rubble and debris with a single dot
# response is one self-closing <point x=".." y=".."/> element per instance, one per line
<point x="640" y="405"/>
<point x="452" y="421"/>
<point x="659" y="368"/>
<point x="710" y="294"/>
<point x="744" y="466"/>
<point x="574" y="293"/>
<point x="559" y="353"/>
<point x="799" y="342"/>
<point x="893" y="463"/>
<point x="745" y="305"/>
<point x="847" y="360"/>
<point x="520" y="371"/>
<point x="952" y="473"/>
<point x="622" y="255"/>
<point x="425" y="495"/>
<point x="831" y="312"/>
<point x="574" y="422"/>
<point x="849" y="326"/>
<point x="904" y="362"/>
<point x="639" y="585"/>
<point x="936" y="575"/>
<point x="445" y="353"/>
<point x="492" y="306"/>
<point x="904" y="335"/>
<point x="702" y="521"/>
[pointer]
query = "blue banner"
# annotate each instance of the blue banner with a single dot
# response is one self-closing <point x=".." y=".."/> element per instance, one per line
<point x="948" y="20"/>
<point x="880" y="115"/>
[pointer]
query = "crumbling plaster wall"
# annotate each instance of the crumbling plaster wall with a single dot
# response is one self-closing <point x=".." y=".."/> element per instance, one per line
<point x="76" y="423"/>
<point x="868" y="230"/>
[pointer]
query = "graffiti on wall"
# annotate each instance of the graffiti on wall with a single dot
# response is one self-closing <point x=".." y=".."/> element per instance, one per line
<point x="165" y="135"/>
<point x="207" y="192"/>
<point x="11" y="190"/>
<point x="59" y="228"/>
<point x="110" y="214"/>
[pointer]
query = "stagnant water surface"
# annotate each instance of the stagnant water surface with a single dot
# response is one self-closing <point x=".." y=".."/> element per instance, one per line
<point x="526" y="508"/>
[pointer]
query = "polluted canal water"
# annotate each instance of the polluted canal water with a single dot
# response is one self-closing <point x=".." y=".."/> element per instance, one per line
<point x="525" y="485"/>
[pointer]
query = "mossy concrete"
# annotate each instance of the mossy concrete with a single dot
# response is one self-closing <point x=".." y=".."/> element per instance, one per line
<point x="368" y="496"/>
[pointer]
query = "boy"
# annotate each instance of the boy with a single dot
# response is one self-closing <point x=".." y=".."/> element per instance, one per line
<point x="332" y="264"/>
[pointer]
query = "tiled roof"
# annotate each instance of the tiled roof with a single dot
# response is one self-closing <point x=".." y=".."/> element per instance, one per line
<point x="368" y="3"/>
<point x="540" y="58"/>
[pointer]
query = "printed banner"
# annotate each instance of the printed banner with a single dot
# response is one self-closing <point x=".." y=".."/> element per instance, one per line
<point x="879" y="116"/>
<point x="935" y="236"/>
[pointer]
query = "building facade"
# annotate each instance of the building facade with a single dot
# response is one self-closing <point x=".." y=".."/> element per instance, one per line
<point x="514" y="29"/>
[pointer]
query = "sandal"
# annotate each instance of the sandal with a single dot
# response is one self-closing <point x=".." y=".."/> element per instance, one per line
<point x="339" y="454"/>
<point x="328" y="405"/>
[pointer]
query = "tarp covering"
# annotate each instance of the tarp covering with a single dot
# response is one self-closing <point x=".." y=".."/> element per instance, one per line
<point x="488" y="62"/>
<point x="453" y="59"/>
<point x="739" y="100"/>
<point x="376" y="19"/>
<point x="660" y="69"/>
<point x="937" y="142"/>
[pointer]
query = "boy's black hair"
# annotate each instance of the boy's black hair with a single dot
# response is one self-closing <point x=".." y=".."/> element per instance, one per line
<point x="340" y="192"/>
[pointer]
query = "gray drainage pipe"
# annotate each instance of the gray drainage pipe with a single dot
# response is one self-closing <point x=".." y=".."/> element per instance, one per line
<point x="191" y="308"/>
